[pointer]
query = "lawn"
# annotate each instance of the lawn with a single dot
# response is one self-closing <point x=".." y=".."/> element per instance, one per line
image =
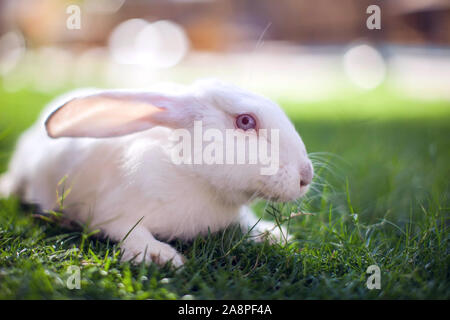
<point x="381" y="196"/>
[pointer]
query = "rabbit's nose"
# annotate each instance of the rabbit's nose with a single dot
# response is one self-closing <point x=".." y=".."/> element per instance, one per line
<point x="306" y="174"/>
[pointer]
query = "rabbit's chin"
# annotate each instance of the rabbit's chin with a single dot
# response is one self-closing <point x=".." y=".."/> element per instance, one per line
<point x="283" y="197"/>
<point x="279" y="198"/>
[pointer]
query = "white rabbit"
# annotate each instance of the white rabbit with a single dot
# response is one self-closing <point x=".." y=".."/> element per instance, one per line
<point x="113" y="148"/>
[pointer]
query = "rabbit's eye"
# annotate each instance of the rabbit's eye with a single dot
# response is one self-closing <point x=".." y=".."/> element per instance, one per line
<point x="245" y="122"/>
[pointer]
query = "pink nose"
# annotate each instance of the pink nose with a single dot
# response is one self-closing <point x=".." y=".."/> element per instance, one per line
<point x="306" y="174"/>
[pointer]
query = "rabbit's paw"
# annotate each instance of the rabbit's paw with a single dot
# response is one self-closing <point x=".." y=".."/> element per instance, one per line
<point x="154" y="251"/>
<point x="270" y="231"/>
<point x="5" y="186"/>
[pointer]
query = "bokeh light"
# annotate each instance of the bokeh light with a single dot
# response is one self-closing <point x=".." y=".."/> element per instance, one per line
<point x="122" y="41"/>
<point x="364" y="66"/>
<point x="12" y="49"/>
<point x="161" y="44"/>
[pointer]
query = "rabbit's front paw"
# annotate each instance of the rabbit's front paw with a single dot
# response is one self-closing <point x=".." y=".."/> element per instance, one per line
<point x="270" y="231"/>
<point x="153" y="251"/>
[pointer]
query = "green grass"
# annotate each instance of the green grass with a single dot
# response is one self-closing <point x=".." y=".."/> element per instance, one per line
<point x="383" y="197"/>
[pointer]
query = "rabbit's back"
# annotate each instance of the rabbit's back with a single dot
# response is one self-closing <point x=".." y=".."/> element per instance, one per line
<point x="41" y="166"/>
<point x="121" y="179"/>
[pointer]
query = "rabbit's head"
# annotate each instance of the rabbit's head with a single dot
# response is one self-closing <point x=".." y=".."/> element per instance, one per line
<point x="241" y="145"/>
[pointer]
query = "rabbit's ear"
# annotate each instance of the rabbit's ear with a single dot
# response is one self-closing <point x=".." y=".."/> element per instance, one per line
<point x="113" y="114"/>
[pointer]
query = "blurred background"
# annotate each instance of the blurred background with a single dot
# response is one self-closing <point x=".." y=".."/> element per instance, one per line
<point x="371" y="104"/>
<point x="304" y="50"/>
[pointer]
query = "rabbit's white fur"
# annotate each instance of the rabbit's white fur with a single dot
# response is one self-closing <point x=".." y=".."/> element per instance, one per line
<point x="117" y="181"/>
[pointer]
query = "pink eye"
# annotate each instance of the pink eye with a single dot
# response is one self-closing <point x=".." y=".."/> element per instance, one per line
<point x="245" y="122"/>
